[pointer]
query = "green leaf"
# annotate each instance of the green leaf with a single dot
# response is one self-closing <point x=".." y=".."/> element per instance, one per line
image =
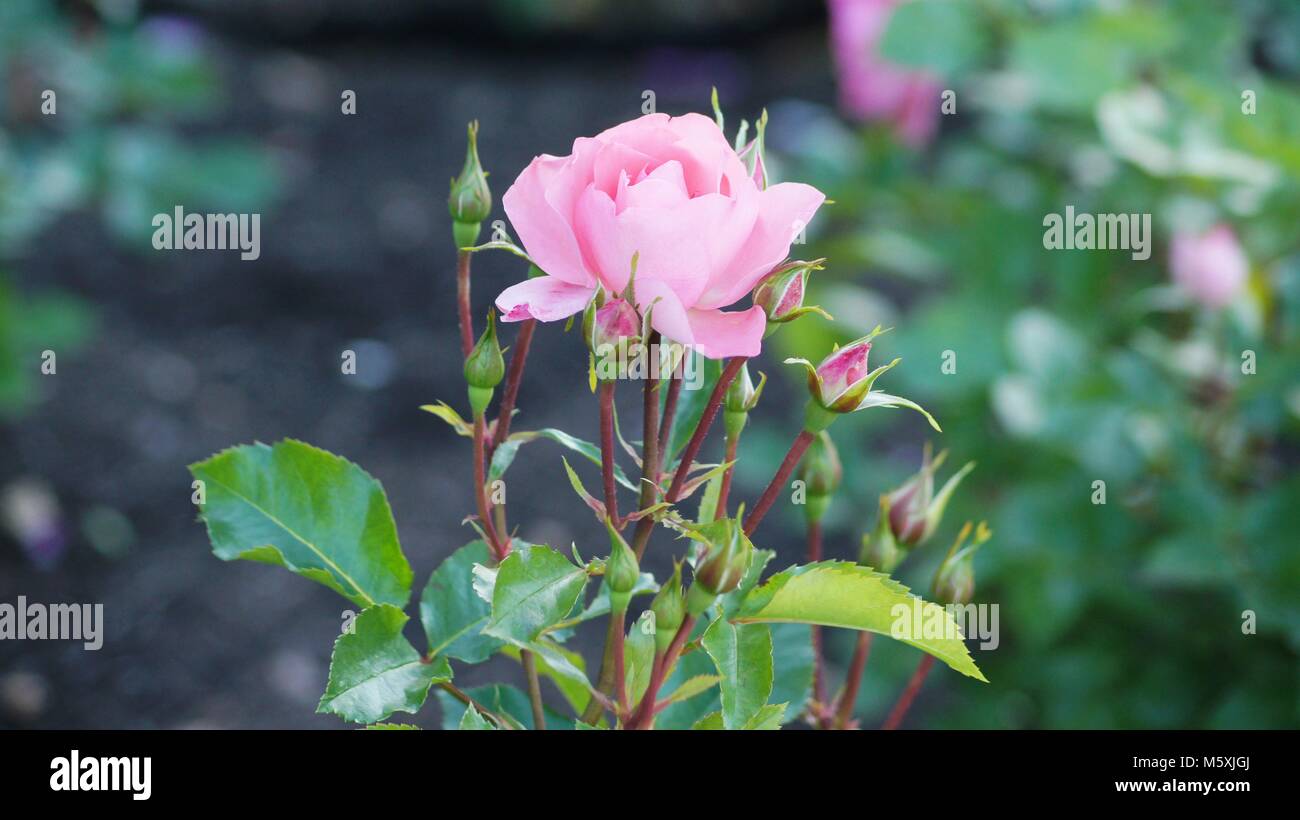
<point x="684" y="714"/>
<point x="743" y="655"/>
<point x="691" y="403"/>
<point x="792" y="662"/>
<point x="693" y="686"/>
<point x="585" y="448"/>
<point x="473" y="720"/>
<point x="451" y="611"/>
<point x="565" y="668"/>
<point x="840" y="594"/>
<point x="535" y="588"/>
<point x="309" y="511"/>
<point x="448" y="414"/>
<point x="391" y="726"/>
<point x="945" y="36"/>
<point x="502" y="457"/>
<point x="599" y="607"/>
<point x="768" y="718"/>
<point x="710" y="722"/>
<point x="507" y="702"/>
<point x="375" y="671"/>
<point x="639" y="656"/>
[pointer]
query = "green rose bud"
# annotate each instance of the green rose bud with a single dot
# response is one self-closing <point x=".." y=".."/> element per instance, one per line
<point x="723" y="565"/>
<point x="954" y="582"/>
<point x="879" y="549"/>
<point x="484" y="368"/>
<point x="621" y="570"/>
<point x="669" y="607"/>
<point x="742" y="396"/>
<point x="471" y="200"/>
<point x="821" y="473"/>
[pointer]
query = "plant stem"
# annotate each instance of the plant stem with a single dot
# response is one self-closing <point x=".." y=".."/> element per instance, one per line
<point x="534" y="689"/>
<point x="645" y="712"/>
<point x="775" y="486"/>
<point x="605" y="683"/>
<point x="909" y="694"/>
<point x="607" y="449"/>
<point x="518" y="358"/>
<point x="455" y="691"/>
<point x="499" y="550"/>
<point x="462" y="303"/>
<point x="849" y="696"/>
<point x="617" y="621"/>
<point x="724" y="489"/>
<point x="670" y="409"/>
<point x="819" y="659"/>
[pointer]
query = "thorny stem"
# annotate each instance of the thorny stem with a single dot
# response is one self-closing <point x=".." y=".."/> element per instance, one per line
<point x="663" y="665"/>
<point x="724" y="489"/>
<point x="534" y="689"/>
<point x="909" y="694"/>
<point x="462" y="303"/>
<point x="607" y="450"/>
<point x="774" y="487"/>
<point x="518" y="358"/>
<point x="819" y="660"/>
<point x="849" y="696"/>
<point x="499" y="549"/>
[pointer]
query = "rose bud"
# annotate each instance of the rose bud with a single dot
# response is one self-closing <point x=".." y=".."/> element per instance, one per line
<point x="471" y="200"/>
<point x="1211" y="267"/>
<point x="484" y="367"/>
<point x="781" y="294"/>
<point x="821" y="472"/>
<point x="914" y="509"/>
<point x="954" y="582"/>
<point x="723" y="564"/>
<point x="669" y="608"/>
<point x="621" y="570"/>
<point x="742" y="396"/>
<point x="842" y="384"/>
<point x="879" y="549"/>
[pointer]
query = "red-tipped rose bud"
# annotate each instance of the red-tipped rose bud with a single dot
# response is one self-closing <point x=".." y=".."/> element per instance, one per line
<point x="781" y="294"/>
<point x="842" y="384"/>
<point x="915" y="510"/>
<point x="471" y="200"/>
<point x="954" y="582"/>
<point x="821" y="473"/>
<point x="484" y="367"/>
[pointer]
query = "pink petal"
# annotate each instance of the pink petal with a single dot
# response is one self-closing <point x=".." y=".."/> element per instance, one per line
<point x="544" y="229"/>
<point x="784" y="209"/>
<point x="715" y="334"/>
<point x="842" y="369"/>
<point x="545" y="298"/>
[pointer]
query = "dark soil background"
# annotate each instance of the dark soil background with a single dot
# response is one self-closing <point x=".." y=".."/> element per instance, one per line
<point x="198" y="351"/>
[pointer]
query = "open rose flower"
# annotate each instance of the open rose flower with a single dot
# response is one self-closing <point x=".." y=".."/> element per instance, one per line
<point x="872" y="88"/>
<point x="1211" y="267"/>
<point x="672" y="191"/>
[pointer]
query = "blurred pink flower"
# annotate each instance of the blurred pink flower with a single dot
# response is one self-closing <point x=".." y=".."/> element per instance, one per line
<point x="1211" y="267"/>
<point x="872" y="89"/>
<point x="672" y="191"/>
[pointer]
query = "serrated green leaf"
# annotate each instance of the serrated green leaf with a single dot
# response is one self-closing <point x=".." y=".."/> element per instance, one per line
<point x="502" y="457"/>
<point x="535" y="588"/>
<point x="840" y="594"/>
<point x="391" y="726"/>
<point x="448" y="414"/>
<point x="584" y="448"/>
<point x="472" y="720"/>
<point x="712" y="722"/>
<point x="452" y="613"/>
<point x="307" y="510"/>
<point x="683" y="714"/>
<point x="691" y="687"/>
<point x="792" y="662"/>
<point x="743" y="655"/>
<point x="375" y="671"/>
<point x="769" y="718"/>
<point x="708" y="509"/>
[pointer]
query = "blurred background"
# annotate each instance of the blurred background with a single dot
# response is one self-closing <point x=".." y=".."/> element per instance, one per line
<point x="1175" y="379"/>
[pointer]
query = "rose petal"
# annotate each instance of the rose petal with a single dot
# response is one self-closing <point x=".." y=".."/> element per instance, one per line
<point x="545" y="298"/>
<point x="717" y="335"/>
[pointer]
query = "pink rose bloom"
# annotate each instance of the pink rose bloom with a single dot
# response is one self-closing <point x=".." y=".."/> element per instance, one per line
<point x="672" y="191"/>
<point x="871" y="88"/>
<point x="1211" y="267"/>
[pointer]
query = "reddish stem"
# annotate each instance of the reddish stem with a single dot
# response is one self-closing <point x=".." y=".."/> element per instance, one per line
<point x="725" y="488"/>
<point x="607" y="449"/>
<point x="663" y="665"/>
<point x="618" y="620"/>
<point x="651" y="455"/>
<point x="909" y="694"/>
<point x="849" y="697"/>
<point x="706" y="421"/>
<point x="480" y="494"/>
<point x="518" y="358"/>
<point x="777" y="483"/>
<point x="670" y="408"/>
<point x="462" y="303"/>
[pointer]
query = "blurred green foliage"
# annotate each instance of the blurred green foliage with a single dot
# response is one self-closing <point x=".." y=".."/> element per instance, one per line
<point x="1079" y="366"/>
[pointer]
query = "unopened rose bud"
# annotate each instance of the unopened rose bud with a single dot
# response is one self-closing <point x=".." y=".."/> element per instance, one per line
<point x="471" y="200"/>
<point x="879" y="549"/>
<point x="614" y="325"/>
<point x="669" y="607"/>
<point x="728" y="551"/>
<point x="954" y="582"/>
<point x="915" y="510"/>
<point x="484" y="367"/>
<point x="821" y="473"/>
<point x="781" y="294"/>
<point x="842" y="384"/>
<point x="742" y="396"/>
<point x="621" y="570"/>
